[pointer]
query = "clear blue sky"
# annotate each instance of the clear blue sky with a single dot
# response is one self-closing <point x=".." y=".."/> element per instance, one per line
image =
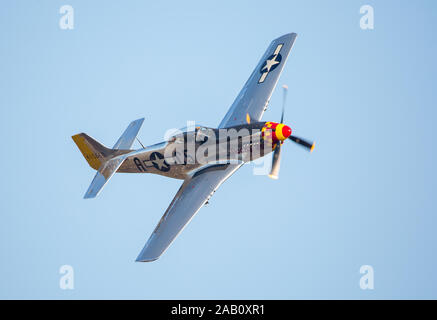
<point x="366" y="196"/>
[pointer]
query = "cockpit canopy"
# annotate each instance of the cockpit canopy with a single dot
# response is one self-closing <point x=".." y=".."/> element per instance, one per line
<point x="177" y="134"/>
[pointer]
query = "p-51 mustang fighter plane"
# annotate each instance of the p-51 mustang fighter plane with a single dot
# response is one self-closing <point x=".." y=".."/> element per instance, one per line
<point x="203" y="157"/>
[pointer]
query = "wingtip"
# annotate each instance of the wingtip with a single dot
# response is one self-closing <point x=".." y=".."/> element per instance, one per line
<point x="146" y="259"/>
<point x="139" y="120"/>
<point x="291" y="34"/>
<point x="145" y="256"/>
<point x="287" y="35"/>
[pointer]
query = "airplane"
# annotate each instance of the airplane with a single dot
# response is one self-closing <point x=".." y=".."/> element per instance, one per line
<point x="177" y="156"/>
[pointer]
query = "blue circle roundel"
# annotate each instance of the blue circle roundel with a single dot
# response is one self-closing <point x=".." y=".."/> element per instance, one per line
<point x="159" y="162"/>
<point x="271" y="63"/>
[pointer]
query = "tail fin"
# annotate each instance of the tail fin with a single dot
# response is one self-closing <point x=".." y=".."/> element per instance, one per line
<point x="106" y="161"/>
<point x="94" y="152"/>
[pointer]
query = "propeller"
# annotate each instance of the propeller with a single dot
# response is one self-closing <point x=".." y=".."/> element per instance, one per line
<point x="276" y="160"/>
<point x="302" y="142"/>
<point x="284" y="100"/>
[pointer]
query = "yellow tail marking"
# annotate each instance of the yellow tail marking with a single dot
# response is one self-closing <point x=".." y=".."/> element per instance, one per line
<point x="92" y="159"/>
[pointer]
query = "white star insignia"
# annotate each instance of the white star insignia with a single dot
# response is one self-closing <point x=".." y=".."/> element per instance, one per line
<point x="270" y="63"/>
<point x="159" y="162"/>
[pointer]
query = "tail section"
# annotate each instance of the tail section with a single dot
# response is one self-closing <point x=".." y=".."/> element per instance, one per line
<point x="128" y="137"/>
<point x="103" y="175"/>
<point x="106" y="161"/>
<point x="94" y="152"/>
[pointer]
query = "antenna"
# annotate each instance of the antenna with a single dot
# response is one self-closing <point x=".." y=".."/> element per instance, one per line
<point x="140" y="142"/>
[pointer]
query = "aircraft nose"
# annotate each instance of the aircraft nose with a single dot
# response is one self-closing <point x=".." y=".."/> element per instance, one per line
<point x="286" y="131"/>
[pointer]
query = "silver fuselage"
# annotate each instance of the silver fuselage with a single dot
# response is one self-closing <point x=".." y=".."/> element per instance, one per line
<point x="187" y="152"/>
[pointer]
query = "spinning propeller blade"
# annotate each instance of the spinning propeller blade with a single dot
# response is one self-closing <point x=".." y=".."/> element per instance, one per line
<point x="276" y="160"/>
<point x="302" y="142"/>
<point x="284" y="100"/>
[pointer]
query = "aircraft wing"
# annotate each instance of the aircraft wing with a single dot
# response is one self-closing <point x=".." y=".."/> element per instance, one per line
<point x="255" y="95"/>
<point x="192" y="195"/>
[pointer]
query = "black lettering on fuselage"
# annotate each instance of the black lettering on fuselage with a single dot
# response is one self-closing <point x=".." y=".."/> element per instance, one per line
<point x="139" y="164"/>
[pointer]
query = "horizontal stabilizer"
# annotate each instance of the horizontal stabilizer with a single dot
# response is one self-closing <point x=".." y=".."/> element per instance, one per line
<point x="128" y="137"/>
<point x="103" y="175"/>
<point x="106" y="161"/>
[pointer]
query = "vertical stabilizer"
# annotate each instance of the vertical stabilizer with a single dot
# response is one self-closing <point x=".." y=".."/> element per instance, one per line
<point x="106" y="161"/>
